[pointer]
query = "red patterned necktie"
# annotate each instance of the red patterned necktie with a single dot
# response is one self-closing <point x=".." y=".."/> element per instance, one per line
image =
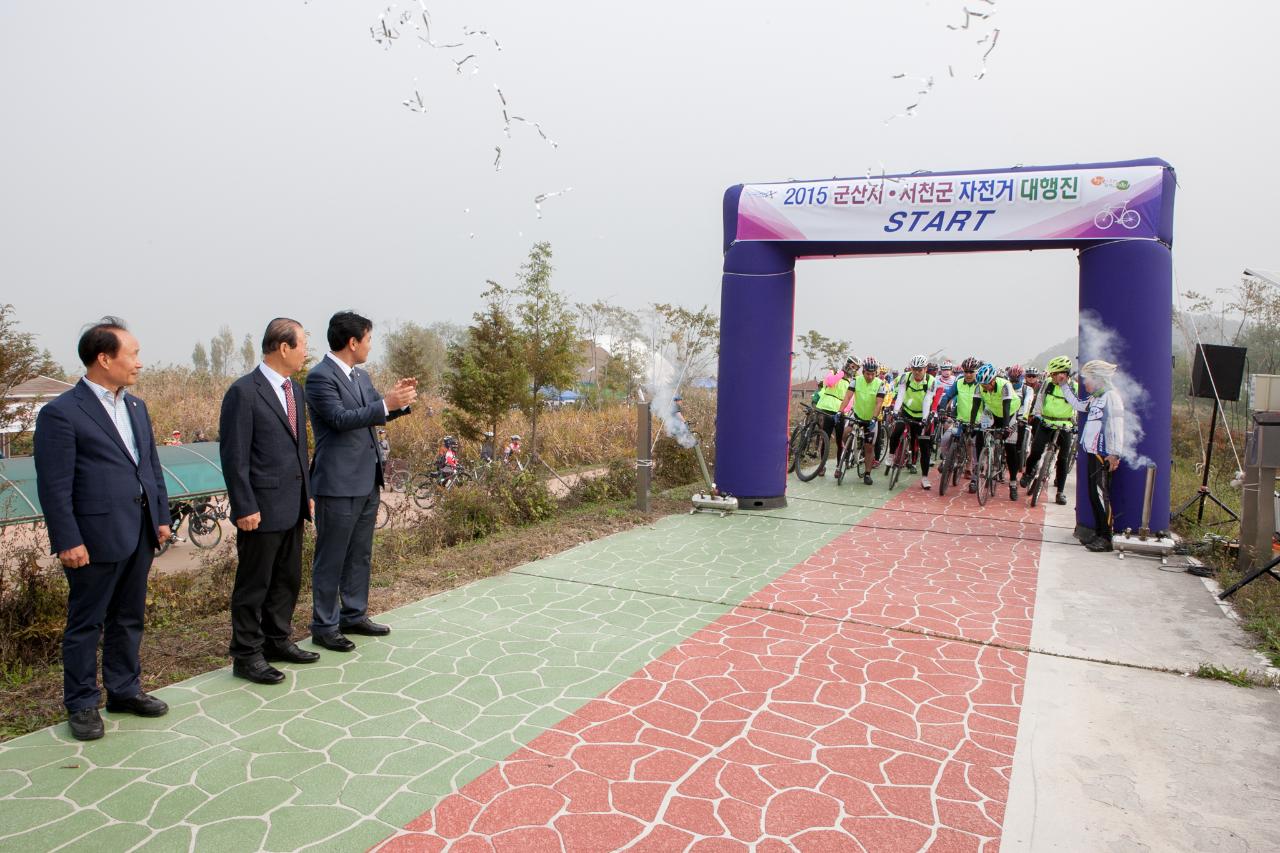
<point x="292" y="407"/>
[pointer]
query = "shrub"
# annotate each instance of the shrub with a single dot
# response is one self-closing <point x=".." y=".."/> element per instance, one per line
<point x="464" y="513"/>
<point x="522" y="497"/>
<point x="618" y="484"/>
<point x="674" y="465"/>
<point x="33" y="607"/>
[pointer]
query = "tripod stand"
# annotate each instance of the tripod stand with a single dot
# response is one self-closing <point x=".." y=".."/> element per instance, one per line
<point x="1268" y="569"/>
<point x="1203" y="494"/>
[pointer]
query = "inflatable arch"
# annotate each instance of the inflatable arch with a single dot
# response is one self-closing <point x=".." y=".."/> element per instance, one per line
<point x="1118" y="217"/>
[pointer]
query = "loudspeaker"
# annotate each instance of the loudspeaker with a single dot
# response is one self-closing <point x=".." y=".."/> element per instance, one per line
<point x="1225" y="364"/>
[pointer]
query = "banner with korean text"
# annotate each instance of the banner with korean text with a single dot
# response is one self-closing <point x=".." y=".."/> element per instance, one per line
<point x="1121" y="203"/>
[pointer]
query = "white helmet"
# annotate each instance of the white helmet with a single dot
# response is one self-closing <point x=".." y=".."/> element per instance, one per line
<point x="918" y="361"/>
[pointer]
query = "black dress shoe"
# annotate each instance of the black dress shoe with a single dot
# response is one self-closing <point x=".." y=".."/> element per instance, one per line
<point x="258" y="671"/>
<point x="334" y="642"/>
<point x="142" y="705"/>
<point x="289" y="653"/>
<point x="366" y="627"/>
<point x="85" y="724"/>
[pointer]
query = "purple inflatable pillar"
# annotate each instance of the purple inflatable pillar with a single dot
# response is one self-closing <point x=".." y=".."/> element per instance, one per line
<point x="1128" y="287"/>
<point x="757" y="308"/>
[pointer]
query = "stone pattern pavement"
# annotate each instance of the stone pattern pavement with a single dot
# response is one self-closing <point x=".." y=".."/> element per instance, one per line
<point x="800" y="720"/>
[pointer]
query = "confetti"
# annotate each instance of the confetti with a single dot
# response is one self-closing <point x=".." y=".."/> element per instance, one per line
<point x="541" y="197"/>
<point x="419" y="106"/>
<point x="497" y="161"/>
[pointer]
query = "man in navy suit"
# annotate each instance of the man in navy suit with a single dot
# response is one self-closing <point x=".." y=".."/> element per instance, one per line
<point x="347" y="477"/>
<point x="263" y="435"/>
<point x="106" y="507"/>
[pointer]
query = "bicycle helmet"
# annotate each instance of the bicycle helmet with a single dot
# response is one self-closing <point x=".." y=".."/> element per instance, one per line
<point x="869" y="364"/>
<point x="850" y="362"/>
<point x="450" y="442"/>
<point x="932" y="367"/>
<point x="1060" y="364"/>
<point x="515" y="438"/>
<point x="969" y="364"/>
<point x="1016" y="371"/>
<point x="948" y="366"/>
<point x="986" y="373"/>
<point x="918" y="362"/>
<point x="1032" y="372"/>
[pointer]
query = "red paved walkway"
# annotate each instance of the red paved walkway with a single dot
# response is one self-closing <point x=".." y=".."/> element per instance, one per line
<point x="797" y="729"/>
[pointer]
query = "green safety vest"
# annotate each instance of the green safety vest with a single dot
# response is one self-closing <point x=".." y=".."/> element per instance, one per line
<point x="994" y="400"/>
<point x="864" y="397"/>
<point x="913" y="396"/>
<point x="830" y="399"/>
<point x="964" y="399"/>
<point x="1055" y="409"/>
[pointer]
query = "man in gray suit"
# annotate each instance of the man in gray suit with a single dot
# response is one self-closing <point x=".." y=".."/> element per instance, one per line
<point x="346" y="479"/>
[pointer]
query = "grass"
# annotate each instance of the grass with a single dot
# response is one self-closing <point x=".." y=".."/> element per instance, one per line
<point x="1213" y="672"/>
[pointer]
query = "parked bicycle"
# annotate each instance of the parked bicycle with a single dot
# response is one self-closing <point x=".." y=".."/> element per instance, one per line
<point x="1048" y="465"/>
<point x="201" y="517"/>
<point x="810" y="448"/>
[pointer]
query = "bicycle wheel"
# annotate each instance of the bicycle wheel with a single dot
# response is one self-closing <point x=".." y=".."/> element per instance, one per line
<point x="398" y="481"/>
<point x="983" y="475"/>
<point x="383" y="517"/>
<point x="1104" y="220"/>
<point x="1130" y="219"/>
<point x="944" y="475"/>
<point x="204" y="530"/>
<point x="812" y="454"/>
<point x="900" y="457"/>
<point x="791" y="446"/>
<point x="425" y="490"/>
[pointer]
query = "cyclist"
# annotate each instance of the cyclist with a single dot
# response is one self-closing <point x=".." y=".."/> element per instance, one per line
<point x="447" y="460"/>
<point x="912" y="409"/>
<point x="946" y="378"/>
<point x="486" y="447"/>
<point x="964" y="393"/>
<point x="831" y="395"/>
<point x="931" y="368"/>
<point x="1102" y="437"/>
<point x="1053" y="418"/>
<point x="865" y="399"/>
<point x="999" y="411"/>
<point x="511" y="453"/>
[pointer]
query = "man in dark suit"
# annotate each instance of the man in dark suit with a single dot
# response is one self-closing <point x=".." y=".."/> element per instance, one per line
<point x="106" y="507"/>
<point x="347" y="477"/>
<point x="263" y="434"/>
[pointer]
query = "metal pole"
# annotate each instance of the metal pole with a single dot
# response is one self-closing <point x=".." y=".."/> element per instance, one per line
<point x="1208" y="458"/>
<point x="644" y="456"/>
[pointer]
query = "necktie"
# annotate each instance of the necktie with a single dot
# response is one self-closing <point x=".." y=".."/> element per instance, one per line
<point x="291" y="407"/>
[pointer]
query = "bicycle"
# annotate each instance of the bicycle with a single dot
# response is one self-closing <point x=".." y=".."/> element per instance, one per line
<point x="1048" y="464"/>
<point x="854" y="453"/>
<point x="429" y="487"/>
<point x="984" y="473"/>
<point x="202" y="524"/>
<point x="383" y="518"/>
<point x="905" y="455"/>
<point x="959" y="451"/>
<point x="810" y="451"/>
<point x="1117" y="213"/>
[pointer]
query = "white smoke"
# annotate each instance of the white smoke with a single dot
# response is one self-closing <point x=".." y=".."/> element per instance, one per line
<point x="1099" y="341"/>
<point x="663" y="406"/>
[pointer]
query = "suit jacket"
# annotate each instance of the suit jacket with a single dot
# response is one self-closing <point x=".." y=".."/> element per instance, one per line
<point x="264" y="466"/>
<point x="344" y="413"/>
<point x="90" y="488"/>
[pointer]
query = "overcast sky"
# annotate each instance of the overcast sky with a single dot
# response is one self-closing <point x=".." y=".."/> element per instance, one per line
<point x="186" y="165"/>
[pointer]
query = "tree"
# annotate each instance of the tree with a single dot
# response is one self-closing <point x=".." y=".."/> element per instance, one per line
<point x="248" y="353"/>
<point x="692" y="337"/>
<point x="834" y="352"/>
<point x="20" y="360"/>
<point x="623" y="328"/>
<point x="412" y="350"/>
<point x="220" y="349"/>
<point x="547" y="335"/>
<point x="812" y="344"/>
<point x="592" y="320"/>
<point x="485" y="377"/>
<point x="200" y="358"/>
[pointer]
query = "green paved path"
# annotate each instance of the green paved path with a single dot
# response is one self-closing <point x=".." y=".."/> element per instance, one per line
<point x="351" y="749"/>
